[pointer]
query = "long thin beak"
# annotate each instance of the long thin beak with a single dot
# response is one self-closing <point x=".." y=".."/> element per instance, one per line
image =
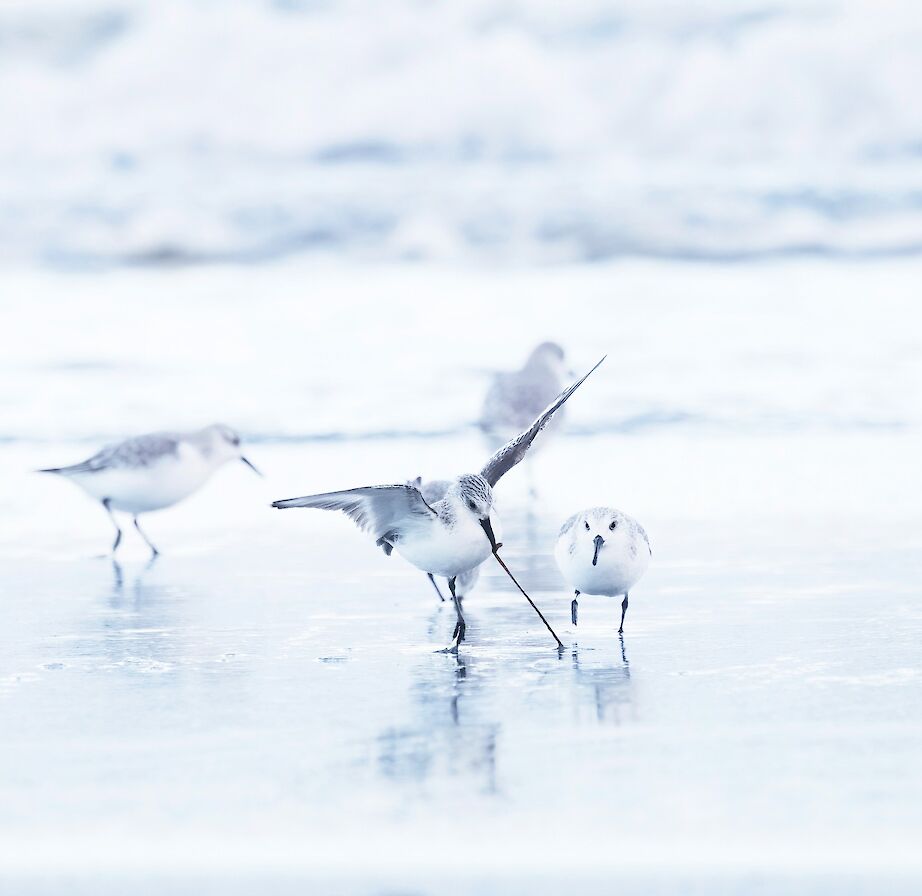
<point x="250" y="466"/>
<point x="488" y="528"/>
<point x="599" y="541"/>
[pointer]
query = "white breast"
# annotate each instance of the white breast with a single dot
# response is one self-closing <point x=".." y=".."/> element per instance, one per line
<point x="442" y="550"/>
<point x="151" y="487"/>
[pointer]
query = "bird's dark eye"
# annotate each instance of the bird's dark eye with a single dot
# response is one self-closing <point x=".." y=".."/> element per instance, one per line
<point x="472" y="505"/>
<point x="613" y="524"/>
<point x="587" y="526"/>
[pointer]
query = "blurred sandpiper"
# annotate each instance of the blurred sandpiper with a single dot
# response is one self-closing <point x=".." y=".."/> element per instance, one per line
<point x="516" y="397"/>
<point x="153" y="471"/>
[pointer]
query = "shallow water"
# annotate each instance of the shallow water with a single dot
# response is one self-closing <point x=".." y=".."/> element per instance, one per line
<point x="264" y="705"/>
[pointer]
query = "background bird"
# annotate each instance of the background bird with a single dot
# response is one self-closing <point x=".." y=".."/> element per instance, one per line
<point x="446" y="538"/>
<point x="516" y="397"/>
<point x="602" y="551"/>
<point x="153" y="471"/>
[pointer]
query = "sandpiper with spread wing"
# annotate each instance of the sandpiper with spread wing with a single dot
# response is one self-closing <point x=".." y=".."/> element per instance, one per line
<point x="450" y="536"/>
<point x="153" y="471"/>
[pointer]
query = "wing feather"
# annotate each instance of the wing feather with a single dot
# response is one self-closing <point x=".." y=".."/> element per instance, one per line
<point x="139" y="451"/>
<point x="377" y="509"/>
<point x="512" y="452"/>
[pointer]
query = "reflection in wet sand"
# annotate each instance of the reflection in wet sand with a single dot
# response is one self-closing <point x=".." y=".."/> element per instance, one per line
<point x="453" y="735"/>
<point x="608" y="683"/>
<point x="449" y="736"/>
<point x="137" y="627"/>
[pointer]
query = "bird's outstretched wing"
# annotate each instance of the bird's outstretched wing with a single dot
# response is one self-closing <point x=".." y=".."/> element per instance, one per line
<point x="378" y="509"/>
<point x="512" y="452"/>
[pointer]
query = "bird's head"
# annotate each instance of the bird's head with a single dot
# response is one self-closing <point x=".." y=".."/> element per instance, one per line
<point x="598" y="527"/>
<point x="224" y="444"/>
<point x="474" y="495"/>
<point x="548" y="356"/>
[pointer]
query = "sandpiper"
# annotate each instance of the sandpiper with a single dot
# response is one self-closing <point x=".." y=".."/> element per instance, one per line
<point x="516" y="397"/>
<point x="602" y="551"/>
<point x="153" y="471"/>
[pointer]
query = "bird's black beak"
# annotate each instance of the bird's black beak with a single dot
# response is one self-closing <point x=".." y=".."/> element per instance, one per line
<point x="599" y="541"/>
<point x="488" y="528"/>
<point x="250" y="465"/>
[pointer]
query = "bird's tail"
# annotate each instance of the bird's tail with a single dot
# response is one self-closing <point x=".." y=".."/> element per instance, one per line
<point x="87" y="466"/>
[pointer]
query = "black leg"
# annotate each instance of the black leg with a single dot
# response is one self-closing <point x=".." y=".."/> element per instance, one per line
<point x="573" y="608"/>
<point x="434" y="585"/>
<point x="623" y="611"/>
<point x="118" y="532"/>
<point x="153" y="551"/>
<point x="459" y="625"/>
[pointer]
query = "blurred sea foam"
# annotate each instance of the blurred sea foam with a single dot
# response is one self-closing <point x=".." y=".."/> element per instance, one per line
<point x="199" y="130"/>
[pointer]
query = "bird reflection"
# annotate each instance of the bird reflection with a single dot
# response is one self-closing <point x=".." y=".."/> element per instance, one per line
<point x="119" y="578"/>
<point x="118" y="583"/>
<point x="460" y="675"/>
<point x="134" y="632"/>
<point x="448" y="737"/>
<point x="609" y="685"/>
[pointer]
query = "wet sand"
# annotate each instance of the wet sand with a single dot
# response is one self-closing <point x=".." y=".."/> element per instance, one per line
<point x="264" y="705"/>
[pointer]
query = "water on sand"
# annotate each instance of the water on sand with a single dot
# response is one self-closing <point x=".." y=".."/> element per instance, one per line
<point x="271" y="699"/>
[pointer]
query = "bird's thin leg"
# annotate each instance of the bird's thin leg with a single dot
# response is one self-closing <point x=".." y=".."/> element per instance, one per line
<point x="435" y="585"/>
<point x="460" y="625"/>
<point x="623" y="611"/>
<point x="574" y="606"/>
<point x="153" y="551"/>
<point x="118" y="531"/>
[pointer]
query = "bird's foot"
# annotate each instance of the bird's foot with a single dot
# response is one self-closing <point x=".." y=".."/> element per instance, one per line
<point x="456" y="639"/>
<point x="573" y="612"/>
